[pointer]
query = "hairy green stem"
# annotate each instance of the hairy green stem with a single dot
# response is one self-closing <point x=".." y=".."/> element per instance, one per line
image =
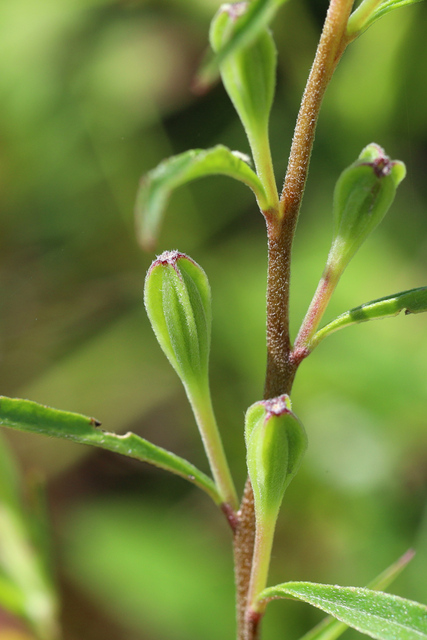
<point x="260" y="565"/>
<point x="264" y="168"/>
<point x="206" y="421"/>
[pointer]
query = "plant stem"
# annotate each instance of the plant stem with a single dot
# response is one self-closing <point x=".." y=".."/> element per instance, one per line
<point x="264" y="168"/>
<point x="244" y="539"/>
<point x="332" y="44"/>
<point x="280" y="229"/>
<point x="324" y="291"/>
<point x="203" y="412"/>
<point x="260" y="565"/>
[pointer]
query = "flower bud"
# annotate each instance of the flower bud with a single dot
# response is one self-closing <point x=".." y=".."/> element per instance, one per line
<point x="249" y="73"/>
<point x="275" y="443"/>
<point x="362" y="197"/>
<point x="178" y="301"/>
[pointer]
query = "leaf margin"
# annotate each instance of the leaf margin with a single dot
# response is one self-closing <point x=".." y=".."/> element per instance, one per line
<point x="389" y="629"/>
<point x="28" y="416"/>
<point x="156" y="187"/>
<point x="385" y="307"/>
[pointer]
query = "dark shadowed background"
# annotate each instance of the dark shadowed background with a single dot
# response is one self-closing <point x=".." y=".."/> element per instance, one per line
<point x="94" y="93"/>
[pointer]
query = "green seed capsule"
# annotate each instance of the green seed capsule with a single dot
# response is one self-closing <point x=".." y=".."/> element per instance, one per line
<point x="363" y="194"/>
<point x="178" y="301"/>
<point x="275" y="444"/>
<point x="249" y="74"/>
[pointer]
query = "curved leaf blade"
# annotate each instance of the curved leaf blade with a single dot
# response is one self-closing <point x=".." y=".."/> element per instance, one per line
<point x="25" y="415"/>
<point x="411" y="301"/>
<point x="156" y="187"/>
<point x="330" y="628"/>
<point x="386" y="7"/>
<point x="356" y="26"/>
<point x="380" y="615"/>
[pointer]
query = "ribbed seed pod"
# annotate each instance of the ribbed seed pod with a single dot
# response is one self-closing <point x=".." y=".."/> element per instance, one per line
<point x="275" y="444"/>
<point x="178" y="301"/>
<point x="362" y="197"/>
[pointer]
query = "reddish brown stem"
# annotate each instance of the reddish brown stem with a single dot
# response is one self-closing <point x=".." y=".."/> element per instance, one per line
<point x="244" y="540"/>
<point x="331" y="46"/>
<point x="281" y="368"/>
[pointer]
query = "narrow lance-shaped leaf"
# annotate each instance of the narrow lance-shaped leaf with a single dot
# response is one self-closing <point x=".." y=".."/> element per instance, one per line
<point x="257" y="17"/>
<point x="156" y="187"/>
<point x="25" y="415"/>
<point x="411" y="301"/>
<point x="369" y="12"/>
<point x="380" y="615"/>
<point x="330" y="628"/>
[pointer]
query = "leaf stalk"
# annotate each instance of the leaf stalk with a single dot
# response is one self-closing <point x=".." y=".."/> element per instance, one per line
<point x="201" y="403"/>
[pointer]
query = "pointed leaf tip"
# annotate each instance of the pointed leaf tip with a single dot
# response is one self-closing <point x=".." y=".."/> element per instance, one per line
<point x="367" y="13"/>
<point x="411" y="302"/>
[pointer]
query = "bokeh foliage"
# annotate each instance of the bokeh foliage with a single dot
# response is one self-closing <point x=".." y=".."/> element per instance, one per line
<point x="94" y="93"/>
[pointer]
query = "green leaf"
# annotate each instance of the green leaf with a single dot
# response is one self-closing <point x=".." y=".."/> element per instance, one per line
<point x="330" y="628"/>
<point x="362" y="17"/>
<point x="379" y="615"/>
<point x="412" y="301"/>
<point x="25" y="415"/>
<point x="249" y="25"/>
<point x="156" y="187"/>
<point x="386" y="7"/>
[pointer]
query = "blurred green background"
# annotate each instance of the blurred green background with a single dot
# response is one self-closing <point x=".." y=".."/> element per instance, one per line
<point x="93" y="94"/>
